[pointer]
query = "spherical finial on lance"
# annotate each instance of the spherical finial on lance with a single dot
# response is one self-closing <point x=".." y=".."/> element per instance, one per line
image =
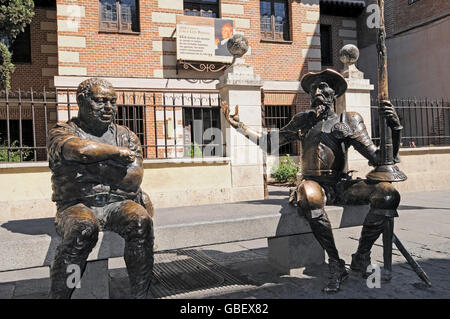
<point x="349" y="54"/>
<point x="237" y="45"/>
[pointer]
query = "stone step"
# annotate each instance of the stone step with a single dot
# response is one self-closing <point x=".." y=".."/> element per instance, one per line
<point x="32" y="243"/>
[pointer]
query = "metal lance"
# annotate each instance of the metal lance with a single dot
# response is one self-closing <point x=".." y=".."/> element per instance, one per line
<point x="387" y="171"/>
<point x="415" y="266"/>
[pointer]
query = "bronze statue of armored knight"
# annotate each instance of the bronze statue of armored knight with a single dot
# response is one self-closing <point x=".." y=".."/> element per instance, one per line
<point x="325" y="137"/>
<point x="96" y="176"/>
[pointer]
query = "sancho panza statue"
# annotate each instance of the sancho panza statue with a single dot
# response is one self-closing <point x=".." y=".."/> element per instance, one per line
<point x="325" y="137"/>
<point x="96" y="176"/>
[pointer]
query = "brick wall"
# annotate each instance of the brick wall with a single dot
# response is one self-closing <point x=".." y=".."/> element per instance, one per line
<point x="39" y="73"/>
<point x="420" y="11"/>
<point x="72" y="45"/>
<point x="400" y="16"/>
<point x="83" y="50"/>
<point x="344" y="32"/>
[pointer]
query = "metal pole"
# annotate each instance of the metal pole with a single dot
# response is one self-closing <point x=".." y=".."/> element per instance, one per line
<point x="387" y="171"/>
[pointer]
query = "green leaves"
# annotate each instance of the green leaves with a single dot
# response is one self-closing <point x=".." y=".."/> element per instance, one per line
<point x="14" y="16"/>
<point x="6" y="67"/>
<point x="286" y="170"/>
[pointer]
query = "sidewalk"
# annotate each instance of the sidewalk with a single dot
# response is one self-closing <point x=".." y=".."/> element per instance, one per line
<point x="241" y="269"/>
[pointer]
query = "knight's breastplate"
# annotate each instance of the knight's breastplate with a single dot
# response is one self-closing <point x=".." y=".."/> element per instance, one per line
<point x="323" y="151"/>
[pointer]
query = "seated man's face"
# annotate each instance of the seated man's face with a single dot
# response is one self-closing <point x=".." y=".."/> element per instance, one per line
<point x="322" y="97"/>
<point x="100" y="107"/>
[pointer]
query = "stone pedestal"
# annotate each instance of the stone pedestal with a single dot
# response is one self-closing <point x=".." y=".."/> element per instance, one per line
<point x="355" y="99"/>
<point x="240" y="86"/>
<point x="292" y="254"/>
<point x="95" y="281"/>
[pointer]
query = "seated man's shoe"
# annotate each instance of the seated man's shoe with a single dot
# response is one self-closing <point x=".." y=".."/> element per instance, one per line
<point x="360" y="262"/>
<point x="338" y="273"/>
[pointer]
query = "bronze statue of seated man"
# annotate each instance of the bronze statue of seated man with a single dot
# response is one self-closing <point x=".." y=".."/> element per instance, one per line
<point x="96" y="176"/>
<point x="325" y="137"/>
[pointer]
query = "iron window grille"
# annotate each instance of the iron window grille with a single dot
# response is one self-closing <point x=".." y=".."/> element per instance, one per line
<point x="119" y="15"/>
<point x="276" y="117"/>
<point x="168" y="124"/>
<point x="274" y="20"/>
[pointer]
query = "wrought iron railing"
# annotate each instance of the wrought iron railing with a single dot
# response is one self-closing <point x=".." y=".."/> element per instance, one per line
<point x="278" y="116"/>
<point x="168" y="124"/>
<point x="426" y="122"/>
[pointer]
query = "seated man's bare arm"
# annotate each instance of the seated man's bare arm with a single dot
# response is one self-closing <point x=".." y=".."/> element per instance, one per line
<point x="87" y="151"/>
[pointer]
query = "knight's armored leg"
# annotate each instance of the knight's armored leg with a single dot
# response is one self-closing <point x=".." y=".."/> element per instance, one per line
<point x="384" y="201"/>
<point x="79" y="231"/>
<point x="311" y="201"/>
<point x="134" y="224"/>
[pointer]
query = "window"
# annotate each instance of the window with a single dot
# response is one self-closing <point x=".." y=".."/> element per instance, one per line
<point x="203" y="8"/>
<point x="274" y="20"/>
<point x="21" y="47"/>
<point x="326" y="46"/>
<point x="120" y="16"/>
<point x="278" y="116"/>
<point x="45" y="3"/>
<point x="202" y="137"/>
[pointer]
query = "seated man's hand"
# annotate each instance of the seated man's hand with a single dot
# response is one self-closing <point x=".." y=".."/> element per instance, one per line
<point x="390" y="114"/>
<point x="125" y="156"/>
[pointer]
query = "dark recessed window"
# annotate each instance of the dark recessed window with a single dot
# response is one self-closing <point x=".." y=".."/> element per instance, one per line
<point x="45" y="3"/>
<point x="326" y="46"/>
<point x="21" y="47"/>
<point x="202" y="8"/>
<point x="274" y="20"/>
<point x="278" y="116"/>
<point x="120" y="16"/>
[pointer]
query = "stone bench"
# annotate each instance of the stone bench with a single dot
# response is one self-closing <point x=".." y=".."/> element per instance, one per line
<point x="32" y="243"/>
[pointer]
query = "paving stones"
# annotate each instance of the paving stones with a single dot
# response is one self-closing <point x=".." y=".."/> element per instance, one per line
<point x="423" y="227"/>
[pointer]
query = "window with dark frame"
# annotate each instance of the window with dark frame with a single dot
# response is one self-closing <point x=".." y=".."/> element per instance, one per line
<point x="275" y="20"/>
<point x="44" y="3"/>
<point x="202" y="144"/>
<point x="21" y="47"/>
<point x="202" y="8"/>
<point x="326" y="46"/>
<point x="119" y="15"/>
<point x="276" y="117"/>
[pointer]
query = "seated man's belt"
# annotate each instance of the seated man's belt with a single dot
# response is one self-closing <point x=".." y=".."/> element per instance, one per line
<point x="102" y="199"/>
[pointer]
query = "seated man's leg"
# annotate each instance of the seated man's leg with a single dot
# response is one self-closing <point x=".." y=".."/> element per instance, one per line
<point x="132" y="221"/>
<point x="79" y="231"/>
<point x="311" y="201"/>
<point x="384" y="200"/>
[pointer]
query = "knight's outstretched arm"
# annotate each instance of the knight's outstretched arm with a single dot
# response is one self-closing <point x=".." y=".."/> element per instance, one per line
<point x="266" y="140"/>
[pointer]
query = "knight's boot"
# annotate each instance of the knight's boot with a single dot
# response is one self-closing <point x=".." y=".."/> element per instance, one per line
<point x="338" y="273"/>
<point x="360" y="262"/>
<point x="372" y="228"/>
<point x="383" y="205"/>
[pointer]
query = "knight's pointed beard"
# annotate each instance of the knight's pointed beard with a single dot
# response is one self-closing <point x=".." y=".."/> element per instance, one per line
<point x="321" y="106"/>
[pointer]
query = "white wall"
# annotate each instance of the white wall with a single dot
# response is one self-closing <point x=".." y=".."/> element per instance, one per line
<point x="418" y="62"/>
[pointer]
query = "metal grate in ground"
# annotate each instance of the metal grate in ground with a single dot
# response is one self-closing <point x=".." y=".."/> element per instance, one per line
<point x="191" y="273"/>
